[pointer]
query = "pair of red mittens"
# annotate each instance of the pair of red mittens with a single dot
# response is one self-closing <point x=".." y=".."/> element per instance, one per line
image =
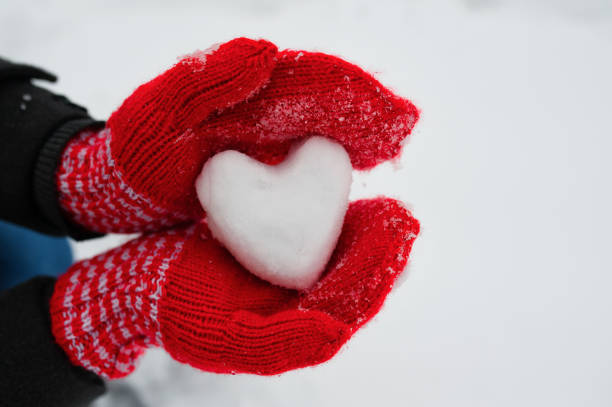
<point x="175" y="286"/>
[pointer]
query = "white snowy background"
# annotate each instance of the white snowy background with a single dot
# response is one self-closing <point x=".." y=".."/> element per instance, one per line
<point x="509" y="296"/>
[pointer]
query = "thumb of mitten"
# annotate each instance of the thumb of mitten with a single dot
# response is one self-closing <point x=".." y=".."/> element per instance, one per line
<point x="152" y="133"/>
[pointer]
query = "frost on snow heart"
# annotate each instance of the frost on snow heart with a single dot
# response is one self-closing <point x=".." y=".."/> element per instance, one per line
<point x="280" y="222"/>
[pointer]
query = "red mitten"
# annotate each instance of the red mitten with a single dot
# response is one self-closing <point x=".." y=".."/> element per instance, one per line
<point x="181" y="290"/>
<point x="137" y="174"/>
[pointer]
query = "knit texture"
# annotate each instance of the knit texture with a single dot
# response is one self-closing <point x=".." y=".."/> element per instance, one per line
<point x="93" y="190"/>
<point x="315" y="94"/>
<point x="45" y="173"/>
<point x="154" y="142"/>
<point x="181" y="290"/>
<point x="243" y="95"/>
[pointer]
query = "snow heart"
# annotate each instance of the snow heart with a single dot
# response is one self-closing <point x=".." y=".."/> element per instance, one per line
<point x="280" y="222"/>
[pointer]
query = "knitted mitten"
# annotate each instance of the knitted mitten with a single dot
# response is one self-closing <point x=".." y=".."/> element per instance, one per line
<point x="138" y="173"/>
<point x="182" y="291"/>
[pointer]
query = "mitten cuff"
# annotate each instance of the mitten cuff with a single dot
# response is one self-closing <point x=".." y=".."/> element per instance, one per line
<point x="93" y="191"/>
<point x="45" y="187"/>
<point x="104" y="310"/>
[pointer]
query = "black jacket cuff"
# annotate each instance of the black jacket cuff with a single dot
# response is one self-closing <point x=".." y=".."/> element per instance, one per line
<point x="35" y="125"/>
<point x="34" y="370"/>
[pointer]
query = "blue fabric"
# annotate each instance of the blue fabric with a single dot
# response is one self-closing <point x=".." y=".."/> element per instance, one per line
<point x="25" y="254"/>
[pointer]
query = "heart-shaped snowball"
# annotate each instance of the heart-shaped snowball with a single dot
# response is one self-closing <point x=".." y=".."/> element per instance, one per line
<point x="280" y="222"/>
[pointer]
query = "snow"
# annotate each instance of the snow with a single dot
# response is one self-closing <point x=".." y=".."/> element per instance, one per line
<point x="280" y="222"/>
<point x="507" y="302"/>
<point x="198" y="57"/>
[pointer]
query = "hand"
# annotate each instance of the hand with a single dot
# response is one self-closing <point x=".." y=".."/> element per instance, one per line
<point x="138" y="173"/>
<point x="181" y="290"/>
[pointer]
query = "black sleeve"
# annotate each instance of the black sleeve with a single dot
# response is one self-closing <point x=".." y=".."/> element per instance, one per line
<point x="34" y="370"/>
<point x="35" y="125"/>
